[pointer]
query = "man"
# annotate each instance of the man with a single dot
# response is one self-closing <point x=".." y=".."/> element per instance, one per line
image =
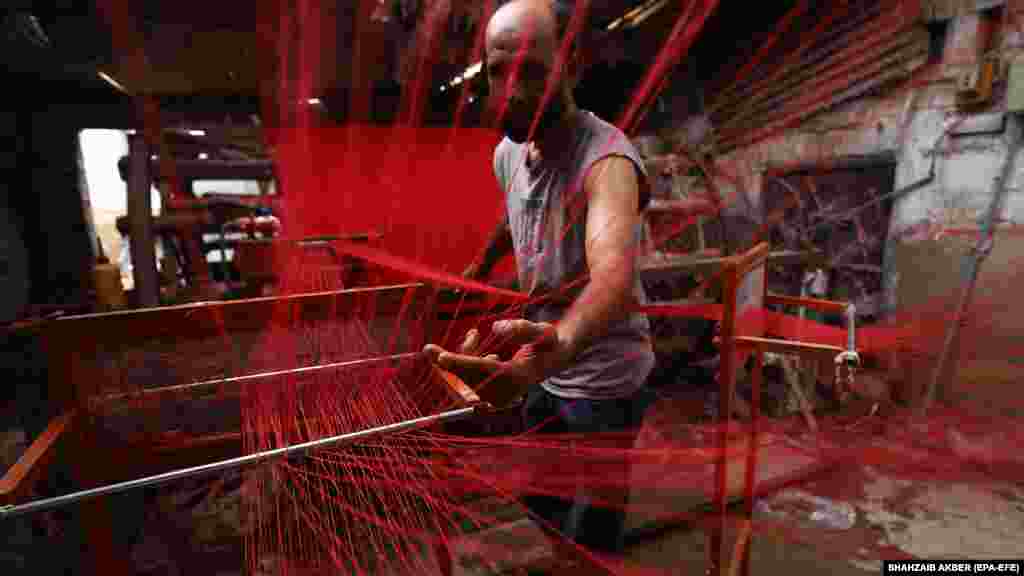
<point x="574" y="190"/>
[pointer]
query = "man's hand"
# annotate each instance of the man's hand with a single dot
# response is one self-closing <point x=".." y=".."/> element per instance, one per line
<point x="540" y="354"/>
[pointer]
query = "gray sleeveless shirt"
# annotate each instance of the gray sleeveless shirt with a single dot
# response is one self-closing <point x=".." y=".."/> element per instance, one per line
<point x="546" y="207"/>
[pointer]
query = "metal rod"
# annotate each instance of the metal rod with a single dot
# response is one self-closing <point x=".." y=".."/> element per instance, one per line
<point x="240" y="462"/>
<point x="975" y="258"/>
<point x="851" y="328"/>
<point x="261" y="375"/>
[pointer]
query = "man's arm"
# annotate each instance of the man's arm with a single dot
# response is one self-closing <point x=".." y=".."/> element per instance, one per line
<point x="499" y="244"/>
<point x="613" y="217"/>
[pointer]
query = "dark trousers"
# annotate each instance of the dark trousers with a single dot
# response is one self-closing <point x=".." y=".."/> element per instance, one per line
<point x="597" y="484"/>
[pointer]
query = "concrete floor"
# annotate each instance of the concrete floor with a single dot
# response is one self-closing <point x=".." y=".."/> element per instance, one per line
<point x="882" y="518"/>
<point x="845" y="521"/>
<point x="841" y="523"/>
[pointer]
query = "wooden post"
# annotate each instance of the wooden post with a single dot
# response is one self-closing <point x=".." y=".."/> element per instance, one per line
<point x="140" y="224"/>
<point x="89" y="470"/>
<point x="752" y="449"/>
<point x="726" y="388"/>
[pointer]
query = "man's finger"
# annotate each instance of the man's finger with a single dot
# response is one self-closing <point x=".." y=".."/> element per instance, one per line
<point x="453" y="361"/>
<point x="433" y="352"/>
<point x="470" y="343"/>
<point x="468" y="367"/>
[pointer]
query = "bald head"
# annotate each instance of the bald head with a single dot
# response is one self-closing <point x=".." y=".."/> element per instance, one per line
<point x="532" y="22"/>
<point x="522" y="43"/>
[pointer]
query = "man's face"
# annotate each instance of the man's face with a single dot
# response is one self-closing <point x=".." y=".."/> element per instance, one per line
<point x="518" y="73"/>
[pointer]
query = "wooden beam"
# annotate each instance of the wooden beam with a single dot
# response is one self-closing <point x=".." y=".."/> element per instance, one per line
<point x="16" y="485"/>
<point x="458" y="389"/>
<point x="234" y="315"/>
<point x="219" y="170"/>
<point x="84" y="350"/>
<point x="817" y="304"/>
<point x="140" y="219"/>
<point x="673" y="305"/>
<point x="690" y="264"/>
<point x="751" y="260"/>
<point x="788" y="346"/>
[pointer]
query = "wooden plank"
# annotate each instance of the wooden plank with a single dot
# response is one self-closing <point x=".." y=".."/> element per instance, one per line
<point x="140" y="219"/>
<point x="117" y="352"/>
<point x="817" y="304"/>
<point x="217" y="170"/>
<point x="17" y="483"/>
<point x="158" y="458"/>
<point x="750" y="288"/>
<point x="721" y="468"/>
<point x="669" y="305"/>
<point x="649" y="267"/>
<point x="192" y="320"/>
<point x="458" y="389"/>
<point x="787" y="346"/>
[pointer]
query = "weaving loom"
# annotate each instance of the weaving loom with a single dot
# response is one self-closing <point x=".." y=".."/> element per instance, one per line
<point x="101" y="392"/>
<point x="739" y="474"/>
<point x="117" y="423"/>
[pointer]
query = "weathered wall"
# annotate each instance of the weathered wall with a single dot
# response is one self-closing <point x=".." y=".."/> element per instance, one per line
<point x="907" y="123"/>
<point x="921" y="262"/>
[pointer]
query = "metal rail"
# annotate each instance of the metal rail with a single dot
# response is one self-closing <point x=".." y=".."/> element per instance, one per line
<point x="240" y="462"/>
<point x="851" y="328"/>
<point x="848" y="360"/>
<point x="257" y="376"/>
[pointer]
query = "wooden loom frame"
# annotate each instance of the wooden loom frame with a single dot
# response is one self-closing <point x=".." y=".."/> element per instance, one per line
<point x="740" y="337"/>
<point x="75" y="387"/>
<point x="78" y="389"/>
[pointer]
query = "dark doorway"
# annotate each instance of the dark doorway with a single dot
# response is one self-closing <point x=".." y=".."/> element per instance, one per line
<point x="841" y="211"/>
